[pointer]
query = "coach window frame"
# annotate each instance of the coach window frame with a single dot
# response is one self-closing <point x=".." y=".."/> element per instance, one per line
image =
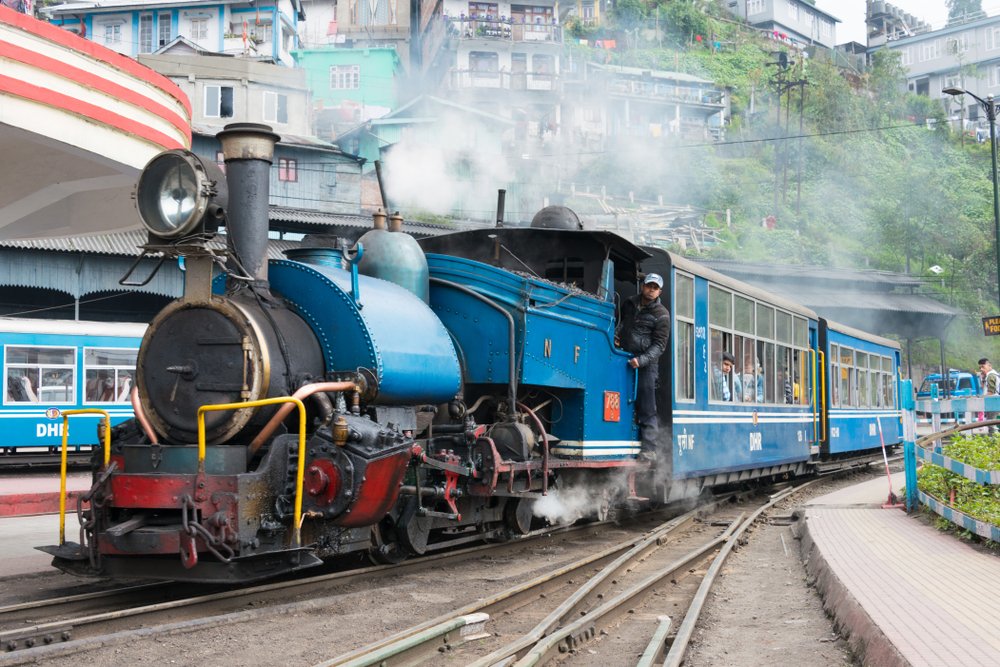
<point x="684" y="345"/>
<point x="116" y="368"/>
<point x="42" y="368"/>
<point x="848" y="394"/>
<point x="720" y="334"/>
<point x="744" y="343"/>
<point x="766" y="349"/>
<point x="890" y="385"/>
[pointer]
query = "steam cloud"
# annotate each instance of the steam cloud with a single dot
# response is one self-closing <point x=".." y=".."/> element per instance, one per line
<point x="566" y="506"/>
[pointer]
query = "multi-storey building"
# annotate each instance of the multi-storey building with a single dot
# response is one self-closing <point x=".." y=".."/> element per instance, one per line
<point x="797" y="22"/>
<point x="266" y="30"/>
<point x="615" y="101"/>
<point x="350" y="86"/>
<point x="965" y="54"/>
<point x="505" y="58"/>
<point x="352" y="24"/>
<point x="307" y="173"/>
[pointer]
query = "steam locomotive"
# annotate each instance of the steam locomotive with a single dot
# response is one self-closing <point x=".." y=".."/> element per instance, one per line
<point x="395" y="397"/>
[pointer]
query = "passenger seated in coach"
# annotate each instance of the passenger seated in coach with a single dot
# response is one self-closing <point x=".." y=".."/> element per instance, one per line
<point x="101" y="388"/>
<point x="724" y="385"/>
<point x="19" y="389"/>
<point x="750" y="383"/>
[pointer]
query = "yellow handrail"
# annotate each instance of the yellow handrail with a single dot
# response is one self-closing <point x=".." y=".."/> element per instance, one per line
<point x="62" y="463"/>
<point x="299" y="473"/>
<point x="822" y="387"/>
<point x="815" y="398"/>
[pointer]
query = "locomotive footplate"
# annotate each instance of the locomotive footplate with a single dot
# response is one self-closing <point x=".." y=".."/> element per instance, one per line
<point x="70" y="559"/>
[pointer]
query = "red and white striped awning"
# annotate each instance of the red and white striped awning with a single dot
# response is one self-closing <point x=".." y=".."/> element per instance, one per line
<point x="77" y="124"/>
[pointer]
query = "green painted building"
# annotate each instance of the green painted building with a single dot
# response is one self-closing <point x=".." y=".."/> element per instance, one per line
<point x="350" y="86"/>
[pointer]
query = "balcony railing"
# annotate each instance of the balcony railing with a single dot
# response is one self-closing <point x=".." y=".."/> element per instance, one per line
<point x="503" y="28"/>
<point x="462" y="79"/>
<point x="666" y="92"/>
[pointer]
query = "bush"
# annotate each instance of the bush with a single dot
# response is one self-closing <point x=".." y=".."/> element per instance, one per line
<point x="977" y="500"/>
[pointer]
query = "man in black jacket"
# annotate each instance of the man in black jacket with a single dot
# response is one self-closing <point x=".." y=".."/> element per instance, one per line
<point x="644" y="332"/>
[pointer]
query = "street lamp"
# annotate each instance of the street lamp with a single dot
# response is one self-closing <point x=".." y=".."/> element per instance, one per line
<point x="991" y="115"/>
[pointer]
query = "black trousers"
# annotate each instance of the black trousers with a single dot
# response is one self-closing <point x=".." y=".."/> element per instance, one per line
<point x="645" y="406"/>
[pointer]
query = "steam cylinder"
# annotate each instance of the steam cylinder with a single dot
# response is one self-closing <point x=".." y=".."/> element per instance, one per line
<point x="394" y="256"/>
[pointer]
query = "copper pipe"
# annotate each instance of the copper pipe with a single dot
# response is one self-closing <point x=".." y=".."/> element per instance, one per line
<point x="545" y="449"/>
<point x="300" y="393"/>
<point x="140" y="415"/>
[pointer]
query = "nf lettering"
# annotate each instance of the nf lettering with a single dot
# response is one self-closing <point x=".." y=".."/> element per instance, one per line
<point x="48" y="430"/>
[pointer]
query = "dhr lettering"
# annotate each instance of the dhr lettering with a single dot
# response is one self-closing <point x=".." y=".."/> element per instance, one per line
<point x="48" y="430"/>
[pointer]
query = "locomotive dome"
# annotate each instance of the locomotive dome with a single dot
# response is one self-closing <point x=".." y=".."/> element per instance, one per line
<point x="556" y="217"/>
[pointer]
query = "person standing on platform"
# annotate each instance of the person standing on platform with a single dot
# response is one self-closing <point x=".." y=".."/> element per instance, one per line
<point x="991" y="387"/>
<point x="644" y="332"/>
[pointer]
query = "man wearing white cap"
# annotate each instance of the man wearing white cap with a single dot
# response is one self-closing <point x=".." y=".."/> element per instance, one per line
<point x="644" y="332"/>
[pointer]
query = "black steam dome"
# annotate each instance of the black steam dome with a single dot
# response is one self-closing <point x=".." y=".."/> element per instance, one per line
<point x="556" y="217"/>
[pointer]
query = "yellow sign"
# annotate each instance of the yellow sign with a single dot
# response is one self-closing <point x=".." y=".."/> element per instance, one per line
<point x="991" y="325"/>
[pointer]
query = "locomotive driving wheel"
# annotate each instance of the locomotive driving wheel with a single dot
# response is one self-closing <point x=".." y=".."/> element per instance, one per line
<point x="383" y="551"/>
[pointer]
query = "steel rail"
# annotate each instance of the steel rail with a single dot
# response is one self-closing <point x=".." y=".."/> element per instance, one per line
<point x="572" y="607"/>
<point x="675" y="656"/>
<point x="398" y="649"/>
<point x="584" y="629"/>
<point x="23" y="639"/>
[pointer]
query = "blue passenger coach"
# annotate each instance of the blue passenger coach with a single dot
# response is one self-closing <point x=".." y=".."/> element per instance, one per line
<point x="862" y="379"/>
<point x="54" y="365"/>
<point x="758" y="419"/>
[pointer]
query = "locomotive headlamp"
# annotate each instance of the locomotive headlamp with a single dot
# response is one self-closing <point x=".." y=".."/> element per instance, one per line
<point x="180" y="194"/>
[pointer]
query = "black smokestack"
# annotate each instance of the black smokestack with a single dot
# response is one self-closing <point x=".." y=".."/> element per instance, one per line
<point x="248" y="149"/>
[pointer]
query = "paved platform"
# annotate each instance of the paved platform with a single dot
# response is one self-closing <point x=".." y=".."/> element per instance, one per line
<point x="21" y="534"/>
<point x="38" y="493"/>
<point x="900" y="591"/>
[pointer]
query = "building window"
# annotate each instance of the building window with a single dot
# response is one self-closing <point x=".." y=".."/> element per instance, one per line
<point x="288" y="170"/>
<point x="145" y="33"/>
<point x="543" y="64"/>
<point x="275" y="107"/>
<point x="483" y="10"/>
<point x="345" y="77"/>
<point x="218" y="102"/>
<point x="930" y="50"/>
<point x="754" y="7"/>
<point x="260" y="32"/>
<point x="958" y="45"/>
<point x="993" y="38"/>
<point x="199" y="29"/>
<point x="484" y="62"/>
<point x="532" y="16"/>
<point x="994" y="76"/>
<point x="164" y="29"/>
<point x="113" y="33"/>
<point x="373" y="12"/>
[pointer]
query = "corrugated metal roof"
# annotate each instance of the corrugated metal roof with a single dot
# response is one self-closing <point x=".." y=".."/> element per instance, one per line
<point x="820" y="274"/>
<point x="117" y="243"/>
<point x="127" y="244"/>
<point x="319" y="218"/>
<point x="890" y="301"/>
<point x="297" y="140"/>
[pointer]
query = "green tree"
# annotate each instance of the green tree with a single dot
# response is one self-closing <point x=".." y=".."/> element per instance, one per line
<point x="960" y="8"/>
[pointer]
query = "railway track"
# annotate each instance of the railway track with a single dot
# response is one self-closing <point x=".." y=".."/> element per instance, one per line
<point x="14" y="461"/>
<point x="66" y="624"/>
<point x="678" y="560"/>
<point x="582" y="604"/>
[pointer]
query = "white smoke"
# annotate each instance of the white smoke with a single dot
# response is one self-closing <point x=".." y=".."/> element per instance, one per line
<point x="568" y="505"/>
<point x="457" y="164"/>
